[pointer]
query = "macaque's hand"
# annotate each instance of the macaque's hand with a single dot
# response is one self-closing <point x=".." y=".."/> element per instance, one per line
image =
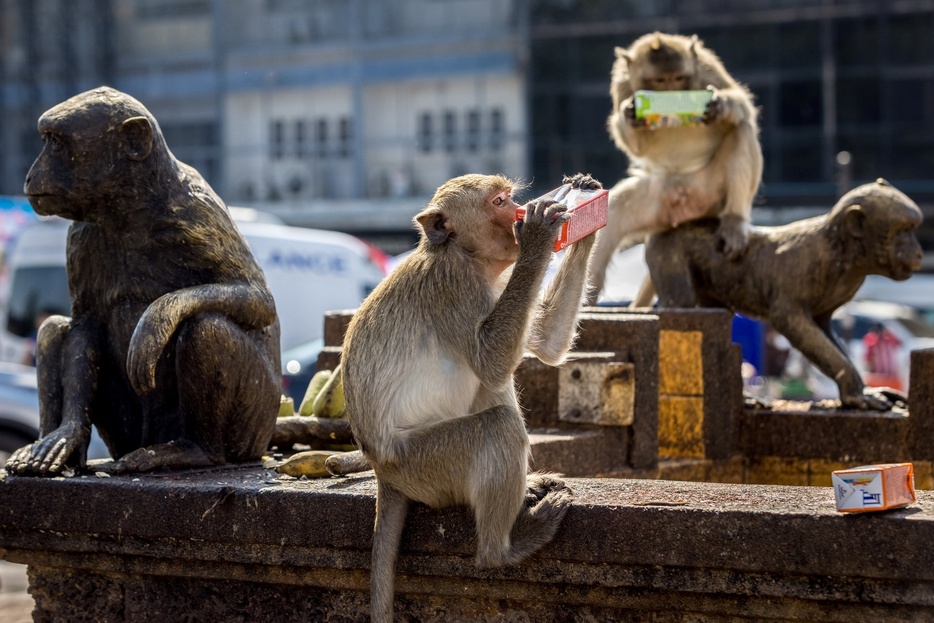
<point x="733" y="236"/>
<point x="629" y="113"/>
<point x="721" y="108"/>
<point x="539" y="230"/>
<point x="582" y="180"/>
<point x="50" y="454"/>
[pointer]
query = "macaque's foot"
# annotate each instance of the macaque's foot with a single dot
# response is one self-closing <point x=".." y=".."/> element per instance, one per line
<point x="582" y="180"/>
<point x="733" y="235"/>
<point x="874" y="399"/>
<point x="540" y="485"/>
<point x="51" y="454"/>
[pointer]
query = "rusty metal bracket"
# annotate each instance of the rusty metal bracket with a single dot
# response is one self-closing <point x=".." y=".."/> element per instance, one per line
<point x="597" y="391"/>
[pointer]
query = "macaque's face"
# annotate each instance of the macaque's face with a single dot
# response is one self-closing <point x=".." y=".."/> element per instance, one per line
<point x="656" y="79"/>
<point x="501" y="209"/>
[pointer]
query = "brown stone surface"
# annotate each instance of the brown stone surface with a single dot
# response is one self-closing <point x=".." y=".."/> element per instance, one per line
<point x="239" y="545"/>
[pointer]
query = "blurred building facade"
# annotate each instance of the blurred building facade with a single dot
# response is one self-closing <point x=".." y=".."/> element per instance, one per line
<point x="314" y="101"/>
<point x="284" y="100"/>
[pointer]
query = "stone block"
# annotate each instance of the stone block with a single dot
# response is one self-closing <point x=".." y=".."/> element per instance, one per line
<point x="680" y="363"/>
<point x="778" y="471"/>
<point x="866" y="437"/>
<point x="921" y="403"/>
<point x="680" y="427"/>
<point x="236" y="544"/>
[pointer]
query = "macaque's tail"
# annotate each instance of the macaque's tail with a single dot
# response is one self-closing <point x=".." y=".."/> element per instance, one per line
<point x="391" y="509"/>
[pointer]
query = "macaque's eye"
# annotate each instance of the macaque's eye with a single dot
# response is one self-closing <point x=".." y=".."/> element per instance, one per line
<point x="500" y="199"/>
<point x="54" y="143"/>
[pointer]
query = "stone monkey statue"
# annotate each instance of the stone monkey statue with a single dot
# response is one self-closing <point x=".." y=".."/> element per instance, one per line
<point x="172" y="350"/>
<point x="797" y="275"/>
<point x="428" y="363"/>
<point x="679" y="174"/>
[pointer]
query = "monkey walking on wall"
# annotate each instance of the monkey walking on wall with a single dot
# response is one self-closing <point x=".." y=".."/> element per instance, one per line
<point x="172" y="349"/>
<point x="797" y="275"/>
<point x="428" y="363"/>
<point x="679" y="174"/>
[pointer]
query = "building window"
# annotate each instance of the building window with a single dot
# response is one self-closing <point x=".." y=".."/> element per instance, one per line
<point x="425" y="132"/>
<point x="473" y="130"/>
<point x="497" y="129"/>
<point x="277" y="140"/>
<point x="302" y="149"/>
<point x="345" y="137"/>
<point x="450" y="131"/>
<point x="321" y="138"/>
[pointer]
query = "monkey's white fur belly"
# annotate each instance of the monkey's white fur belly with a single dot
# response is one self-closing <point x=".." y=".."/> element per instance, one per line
<point x="445" y="389"/>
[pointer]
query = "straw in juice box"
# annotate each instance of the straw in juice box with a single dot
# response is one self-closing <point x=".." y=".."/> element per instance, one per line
<point x="588" y="209"/>
<point x="874" y="487"/>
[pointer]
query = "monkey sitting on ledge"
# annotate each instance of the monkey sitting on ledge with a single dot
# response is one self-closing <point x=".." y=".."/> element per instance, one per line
<point x="797" y="275"/>
<point x="428" y="363"/>
<point x="172" y="350"/>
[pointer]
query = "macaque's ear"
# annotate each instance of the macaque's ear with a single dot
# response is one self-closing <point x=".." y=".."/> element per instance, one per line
<point x="693" y="47"/>
<point x="137" y="138"/>
<point x="657" y="42"/>
<point x="434" y="224"/>
<point x="883" y="182"/>
<point x="855" y="221"/>
<point x="623" y="54"/>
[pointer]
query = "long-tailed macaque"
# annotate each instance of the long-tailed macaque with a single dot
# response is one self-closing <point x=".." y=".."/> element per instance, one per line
<point x="428" y="363"/>
<point x="172" y="349"/>
<point x="679" y="174"/>
<point x="796" y="275"/>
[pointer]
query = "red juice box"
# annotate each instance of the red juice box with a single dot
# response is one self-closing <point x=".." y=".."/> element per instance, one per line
<point x="588" y="209"/>
<point x="874" y="487"/>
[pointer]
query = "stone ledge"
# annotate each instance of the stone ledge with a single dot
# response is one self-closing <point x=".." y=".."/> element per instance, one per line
<point x="237" y="544"/>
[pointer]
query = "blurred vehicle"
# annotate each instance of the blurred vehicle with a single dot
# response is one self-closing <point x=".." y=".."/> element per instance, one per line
<point x="19" y="412"/>
<point x="309" y="272"/>
<point x="905" y="323"/>
<point x="299" y="364"/>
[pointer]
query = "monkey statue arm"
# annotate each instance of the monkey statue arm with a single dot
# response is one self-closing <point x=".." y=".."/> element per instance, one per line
<point x="162" y="318"/>
<point x="67" y="429"/>
<point x="502" y="335"/>
<point x="813" y="342"/>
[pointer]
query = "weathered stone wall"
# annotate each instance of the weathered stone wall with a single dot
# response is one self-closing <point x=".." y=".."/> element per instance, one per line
<point x="238" y="545"/>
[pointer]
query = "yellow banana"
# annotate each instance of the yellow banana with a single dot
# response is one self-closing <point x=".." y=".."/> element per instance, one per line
<point x="329" y="402"/>
<point x="286" y="406"/>
<point x="309" y="464"/>
<point x="317" y="382"/>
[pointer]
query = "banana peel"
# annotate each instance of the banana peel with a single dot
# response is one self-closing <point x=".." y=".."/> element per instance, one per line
<point x="317" y="383"/>
<point x="309" y="464"/>
<point x="286" y="406"/>
<point x="329" y="402"/>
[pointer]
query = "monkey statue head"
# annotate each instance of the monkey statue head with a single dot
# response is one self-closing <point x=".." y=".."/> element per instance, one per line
<point x="452" y="217"/>
<point x="93" y="145"/>
<point x="881" y="223"/>
<point x="661" y="62"/>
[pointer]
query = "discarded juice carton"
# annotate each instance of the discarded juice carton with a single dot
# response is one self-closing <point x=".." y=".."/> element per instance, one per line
<point x="874" y="487"/>
<point x="588" y="210"/>
<point x="671" y="109"/>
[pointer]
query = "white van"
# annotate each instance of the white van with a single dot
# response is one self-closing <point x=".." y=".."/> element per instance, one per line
<point x="309" y="273"/>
